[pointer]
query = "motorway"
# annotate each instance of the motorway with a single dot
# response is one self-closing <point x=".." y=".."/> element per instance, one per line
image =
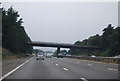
<point x="65" y="68"/>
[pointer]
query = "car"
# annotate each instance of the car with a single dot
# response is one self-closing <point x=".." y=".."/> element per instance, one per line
<point x="60" y="55"/>
<point x="39" y="57"/>
<point x="93" y="56"/>
<point x="117" y="56"/>
<point x="68" y="55"/>
<point x="48" y="55"/>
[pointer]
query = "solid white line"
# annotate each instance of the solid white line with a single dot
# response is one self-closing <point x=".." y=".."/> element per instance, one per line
<point x="14" y="69"/>
<point x="90" y="64"/>
<point x="56" y="64"/>
<point x="65" y="69"/>
<point x="113" y="69"/>
<point x="84" y="79"/>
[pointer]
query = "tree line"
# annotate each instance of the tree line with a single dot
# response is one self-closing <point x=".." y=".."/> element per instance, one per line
<point x="109" y="42"/>
<point x="14" y="36"/>
<point x="36" y="51"/>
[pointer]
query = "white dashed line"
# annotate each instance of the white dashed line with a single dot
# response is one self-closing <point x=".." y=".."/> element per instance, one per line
<point x="112" y="69"/>
<point x="56" y="64"/>
<point x="65" y="69"/>
<point x="14" y="69"/>
<point x="84" y="79"/>
<point x="90" y="64"/>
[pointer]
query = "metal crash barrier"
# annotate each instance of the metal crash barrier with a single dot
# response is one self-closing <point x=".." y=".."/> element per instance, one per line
<point x="100" y="59"/>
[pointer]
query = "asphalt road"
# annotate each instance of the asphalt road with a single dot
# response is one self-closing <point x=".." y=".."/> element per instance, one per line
<point x="65" y="68"/>
<point x="8" y="65"/>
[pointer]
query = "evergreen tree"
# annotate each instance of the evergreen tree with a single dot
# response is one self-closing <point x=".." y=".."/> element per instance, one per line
<point x="109" y="42"/>
<point x="14" y="37"/>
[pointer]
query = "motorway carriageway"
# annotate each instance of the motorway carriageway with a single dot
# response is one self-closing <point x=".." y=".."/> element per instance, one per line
<point x="64" y="68"/>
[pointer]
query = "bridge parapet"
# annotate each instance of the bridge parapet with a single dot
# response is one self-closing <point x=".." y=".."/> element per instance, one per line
<point x="61" y="45"/>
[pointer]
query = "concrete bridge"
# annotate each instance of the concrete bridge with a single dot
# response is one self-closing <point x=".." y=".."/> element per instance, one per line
<point x="61" y="45"/>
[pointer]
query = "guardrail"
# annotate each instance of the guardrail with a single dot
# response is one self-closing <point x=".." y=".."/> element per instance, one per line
<point x="100" y="59"/>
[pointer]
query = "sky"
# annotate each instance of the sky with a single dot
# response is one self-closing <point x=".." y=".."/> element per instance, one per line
<point x="65" y="22"/>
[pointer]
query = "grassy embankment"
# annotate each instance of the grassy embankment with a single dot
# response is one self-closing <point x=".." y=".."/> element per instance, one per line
<point x="7" y="55"/>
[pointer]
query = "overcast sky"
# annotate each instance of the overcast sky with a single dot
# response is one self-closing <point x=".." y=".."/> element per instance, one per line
<point x="65" y="22"/>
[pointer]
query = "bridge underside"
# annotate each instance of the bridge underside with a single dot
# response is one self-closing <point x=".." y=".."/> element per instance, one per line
<point x="61" y="45"/>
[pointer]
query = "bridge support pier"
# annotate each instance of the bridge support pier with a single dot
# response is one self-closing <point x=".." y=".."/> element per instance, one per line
<point x="58" y="50"/>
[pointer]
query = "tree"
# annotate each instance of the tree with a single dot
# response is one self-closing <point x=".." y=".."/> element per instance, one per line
<point x="109" y="42"/>
<point x="14" y="36"/>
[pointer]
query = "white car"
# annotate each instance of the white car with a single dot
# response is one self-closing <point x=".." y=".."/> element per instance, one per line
<point x="60" y="55"/>
<point x="39" y="57"/>
<point x="93" y="56"/>
<point x="68" y="55"/>
<point x="48" y="55"/>
<point x="117" y="56"/>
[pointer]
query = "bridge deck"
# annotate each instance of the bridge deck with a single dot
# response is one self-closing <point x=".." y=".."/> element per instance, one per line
<point x="61" y="45"/>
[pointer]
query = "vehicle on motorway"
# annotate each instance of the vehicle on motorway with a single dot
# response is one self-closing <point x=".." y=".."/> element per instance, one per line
<point x="60" y="55"/>
<point x="39" y="57"/>
<point x="93" y="56"/>
<point x="68" y="55"/>
<point x="48" y="55"/>
<point x="117" y="56"/>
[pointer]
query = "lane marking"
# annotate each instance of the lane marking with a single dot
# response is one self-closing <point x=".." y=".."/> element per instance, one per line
<point x="112" y="69"/>
<point x="7" y="74"/>
<point x="90" y="64"/>
<point x="51" y="62"/>
<point x="65" y="69"/>
<point x="77" y="62"/>
<point x="84" y="79"/>
<point x="56" y="64"/>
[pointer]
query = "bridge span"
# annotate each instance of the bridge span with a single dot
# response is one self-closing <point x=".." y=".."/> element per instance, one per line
<point x="61" y="45"/>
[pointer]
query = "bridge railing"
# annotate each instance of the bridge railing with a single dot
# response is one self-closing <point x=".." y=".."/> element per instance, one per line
<point x="100" y="59"/>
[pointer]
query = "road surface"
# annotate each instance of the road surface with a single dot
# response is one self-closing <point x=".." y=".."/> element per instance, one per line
<point x="65" y="68"/>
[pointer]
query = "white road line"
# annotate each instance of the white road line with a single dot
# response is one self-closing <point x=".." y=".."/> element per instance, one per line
<point x="65" y="69"/>
<point x="84" y="79"/>
<point x="51" y="62"/>
<point x="14" y="69"/>
<point x="112" y="69"/>
<point x="56" y="64"/>
<point x="90" y="64"/>
<point x="77" y="62"/>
